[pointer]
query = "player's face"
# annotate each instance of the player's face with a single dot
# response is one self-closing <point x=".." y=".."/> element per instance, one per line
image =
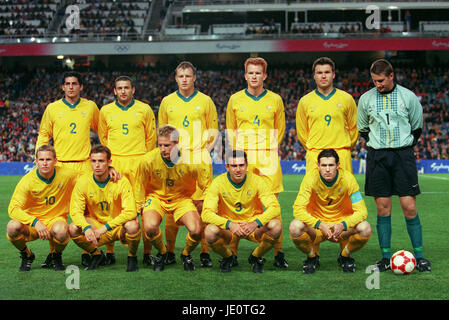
<point x="72" y="88"/>
<point x="169" y="149"/>
<point x="383" y="82"/>
<point x="124" y="92"/>
<point x="255" y="76"/>
<point x="237" y="169"/>
<point x="185" y="80"/>
<point x="328" y="168"/>
<point x="323" y="76"/>
<point x="100" y="165"/>
<point x="45" y="161"/>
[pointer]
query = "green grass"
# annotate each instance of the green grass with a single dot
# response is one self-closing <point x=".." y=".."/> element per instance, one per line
<point x="329" y="282"/>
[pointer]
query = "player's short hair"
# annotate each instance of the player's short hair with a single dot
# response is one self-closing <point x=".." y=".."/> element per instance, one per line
<point x="258" y="61"/>
<point x="185" y="65"/>
<point x="46" y="147"/>
<point x="323" y="61"/>
<point x="381" y="66"/>
<point x="168" y="131"/>
<point x="329" y="153"/>
<point x="123" y="78"/>
<point x="75" y="74"/>
<point x="101" y="149"/>
<point x="235" y="154"/>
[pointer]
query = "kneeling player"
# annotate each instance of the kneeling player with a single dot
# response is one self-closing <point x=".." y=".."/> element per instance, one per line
<point x="111" y="212"/>
<point x="166" y="187"/>
<point x="330" y="207"/>
<point x="234" y="206"/>
<point x="39" y="208"/>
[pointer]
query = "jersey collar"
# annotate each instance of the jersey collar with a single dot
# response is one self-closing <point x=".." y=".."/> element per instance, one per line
<point x="124" y="108"/>
<point x="189" y="98"/>
<point x="260" y="96"/>
<point x="71" y="106"/>
<point x="102" y="184"/>
<point x="329" y="184"/>
<point x="47" y="181"/>
<point x="388" y="92"/>
<point x="170" y="163"/>
<point x="322" y="96"/>
<point x="236" y="185"/>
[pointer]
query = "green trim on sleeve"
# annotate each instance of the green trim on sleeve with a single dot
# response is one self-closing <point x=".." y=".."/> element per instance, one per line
<point x="108" y="226"/>
<point x="259" y="223"/>
<point x="345" y="225"/>
<point x="227" y="224"/>
<point x="87" y="228"/>
<point x="317" y="224"/>
<point x="34" y="222"/>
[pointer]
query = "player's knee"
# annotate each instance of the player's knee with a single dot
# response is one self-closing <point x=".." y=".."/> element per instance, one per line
<point x="275" y="228"/>
<point x="211" y="233"/>
<point x="60" y="231"/>
<point x="364" y="229"/>
<point x="74" y="230"/>
<point x="132" y="227"/>
<point x="296" y="228"/>
<point x="14" y="228"/>
<point x="196" y="232"/>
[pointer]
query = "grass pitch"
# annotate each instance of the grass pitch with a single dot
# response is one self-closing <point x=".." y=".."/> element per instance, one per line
<point x="328" y="283"/>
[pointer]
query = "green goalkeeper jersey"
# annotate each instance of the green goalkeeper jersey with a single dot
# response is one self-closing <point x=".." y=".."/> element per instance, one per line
<point x="390" y="117"/>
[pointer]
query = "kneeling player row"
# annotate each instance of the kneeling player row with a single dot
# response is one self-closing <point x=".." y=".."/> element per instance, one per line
<point x="237" y="204"/>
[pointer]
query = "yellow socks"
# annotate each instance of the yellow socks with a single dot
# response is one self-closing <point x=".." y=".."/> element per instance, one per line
<point x="219" y="247"/>
<point x="356" y="242"/>
<point x="171" y="231"/>
<point x="191" y="244"/>
<point x="304" y="244"/>
<point x="266" y="243"/>
<point x="133" y="243"/>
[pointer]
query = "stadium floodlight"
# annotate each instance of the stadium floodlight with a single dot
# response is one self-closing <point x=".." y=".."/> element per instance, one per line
<point x="54" y="39"/>
<point x="392" y="7"/>
<point x="60" y="57"/>
<point x="119" y="38"/>
<point x="18" y="40"/>
<point x="150" y="38"/>
<point x="33" y="39"/>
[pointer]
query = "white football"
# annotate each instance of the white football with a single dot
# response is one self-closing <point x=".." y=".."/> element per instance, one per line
<point x="403" y="262"/>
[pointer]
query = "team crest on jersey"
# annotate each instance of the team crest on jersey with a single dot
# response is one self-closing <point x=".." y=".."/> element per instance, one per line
<point x="197" y="108"/>
<point x="83" y="114"/>
<point x="60" y="115"/>
<point x="269" y="107"/>
<point x="250" y="192"/>
<point x="158" y="172"/>
<point x="243" y="108"/>
<point x="171" y="109"/>
<point x="136" y="115"/>
<point x="91" y="194"/>
<point x="339" y="105"/>
<point x="313" y="108"/>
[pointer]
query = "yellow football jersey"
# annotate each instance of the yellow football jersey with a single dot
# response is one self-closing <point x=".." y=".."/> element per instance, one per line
<point x="168" y="181"/>
<point x="195" y="117"/>
<point x="38" y="198"/>
<point x="109" y="203"/>
<point x="327" y="122"/>
<point x="226" y="201"/>
<point x="69" y="125"/>
<point x="129" y="130"/>
<point x="255" y="123"/>
<point x="335" y="202"/>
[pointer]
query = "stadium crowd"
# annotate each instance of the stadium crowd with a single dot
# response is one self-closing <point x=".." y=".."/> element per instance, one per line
<point x="25" y="95"/>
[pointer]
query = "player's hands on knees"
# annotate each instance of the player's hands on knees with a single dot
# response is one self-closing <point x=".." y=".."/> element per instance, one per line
<point x="42" y="231"/>
<point x="337" y="230"/>
<point x="98" y="232"/>
<point x="249" y="227"/>
<point x="326" y="230"/>
<point x="91" y="237"/>
<point x="236" y="229"/>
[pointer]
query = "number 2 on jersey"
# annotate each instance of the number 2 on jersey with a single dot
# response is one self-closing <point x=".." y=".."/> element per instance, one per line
<point x="73" y="126"/>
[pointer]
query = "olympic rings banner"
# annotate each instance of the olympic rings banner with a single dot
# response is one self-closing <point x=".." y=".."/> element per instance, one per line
<point x="224" y="46"/>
